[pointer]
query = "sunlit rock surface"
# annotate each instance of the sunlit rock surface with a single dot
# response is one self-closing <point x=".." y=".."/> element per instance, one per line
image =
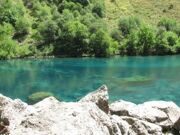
<point x="100" y="97"/>
<point x="92" y="115"/>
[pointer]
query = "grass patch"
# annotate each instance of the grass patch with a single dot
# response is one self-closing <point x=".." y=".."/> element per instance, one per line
<point x="150" y="11"/>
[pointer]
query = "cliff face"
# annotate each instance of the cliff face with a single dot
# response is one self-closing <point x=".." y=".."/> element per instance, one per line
<point x="92" y="115"/>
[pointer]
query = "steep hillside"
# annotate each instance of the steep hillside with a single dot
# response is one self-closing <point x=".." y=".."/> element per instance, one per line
<point x="149" y="11"/>
<point x="76" y="28"/>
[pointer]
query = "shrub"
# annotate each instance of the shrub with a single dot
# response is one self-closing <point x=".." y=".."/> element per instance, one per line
<point x="170" y="37"/>
<point x="168" y="24"/>
<point x="7" y="45"/>
<point x="74" y="40"/>
<point x="11" y="11"/>
<point x="22" y="28"/>
<point x="177" y="47"/>
<point x="6" y="30"/>
<point x="129" y="24"/>
<point x="129" y="46"/>
<point x="177" y="30"/>
<point x="117" y="35"/>
<point x="42" y="11"/>
<point x="69" y="5"/>
<point x="83" y="2"/>
<point x="48" y="32"/>
<point x="165" y="43"/>
<point x="8" y="49"/>
<point x="99" y="8"/>
<point x="97" y="25"/>
<point x="102" y="44"/>
<point x="162" y="48"/>
<point x="146" y="40"/>
<point x="140" y="42"/>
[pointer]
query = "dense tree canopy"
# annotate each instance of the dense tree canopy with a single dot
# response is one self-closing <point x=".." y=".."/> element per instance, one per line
<point x="78" y="28"/>
<point x="139" y="38"/>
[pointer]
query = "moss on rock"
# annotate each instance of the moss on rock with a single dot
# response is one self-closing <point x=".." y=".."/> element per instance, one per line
<point x="135" y="80"/>
<point x="38" y="96"/>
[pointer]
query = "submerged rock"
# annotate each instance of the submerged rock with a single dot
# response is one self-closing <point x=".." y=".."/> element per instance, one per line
<point x="137" y="80"/>
<point x="89" y="116"/>
<point x="38" y="96"/>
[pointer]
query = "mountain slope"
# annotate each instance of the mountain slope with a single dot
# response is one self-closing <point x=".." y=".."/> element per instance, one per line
<point x="150" y="11"/>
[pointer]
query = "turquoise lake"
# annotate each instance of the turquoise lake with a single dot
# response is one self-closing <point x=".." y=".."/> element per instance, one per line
<point x="135" y="79"/>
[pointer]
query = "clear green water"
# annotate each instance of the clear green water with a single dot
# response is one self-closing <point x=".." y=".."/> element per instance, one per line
<point x="136" y="79"/>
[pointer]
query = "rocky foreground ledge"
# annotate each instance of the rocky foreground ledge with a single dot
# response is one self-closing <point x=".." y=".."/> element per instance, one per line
<point x="92" y="115"/>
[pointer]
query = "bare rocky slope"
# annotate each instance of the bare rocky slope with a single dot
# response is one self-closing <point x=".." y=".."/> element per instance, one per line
<point x="92" y="115"/>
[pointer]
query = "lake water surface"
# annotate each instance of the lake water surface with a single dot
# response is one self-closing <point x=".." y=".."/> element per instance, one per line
<point x="135" y="79"/>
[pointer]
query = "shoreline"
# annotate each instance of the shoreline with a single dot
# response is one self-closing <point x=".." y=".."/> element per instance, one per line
<point x="59" y="57"/>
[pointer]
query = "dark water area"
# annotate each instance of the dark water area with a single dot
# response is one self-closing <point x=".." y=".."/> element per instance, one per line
<point x="135" y="79"/>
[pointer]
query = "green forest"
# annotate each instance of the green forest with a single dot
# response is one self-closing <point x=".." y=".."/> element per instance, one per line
<point x="76" y="28"/>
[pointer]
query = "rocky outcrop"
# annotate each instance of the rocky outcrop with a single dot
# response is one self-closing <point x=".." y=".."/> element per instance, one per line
<point x="92" y="115"/>
<point x="169" y="108"/>
<point x="164" y="114"/>
<point x="141" y="127"/>
<point x="123" y="108"/>
<point x="177" y="125"/>
<point x="100" y="97"/>
<point x="51" y="117"/>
